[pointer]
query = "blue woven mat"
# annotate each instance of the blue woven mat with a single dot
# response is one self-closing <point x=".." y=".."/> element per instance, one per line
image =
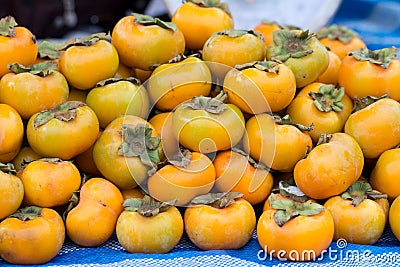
<point x="385" y="253"/>
<point x="378" y="23"/>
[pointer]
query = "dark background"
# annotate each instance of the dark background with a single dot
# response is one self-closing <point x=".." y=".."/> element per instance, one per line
<point x="44" y="17"/>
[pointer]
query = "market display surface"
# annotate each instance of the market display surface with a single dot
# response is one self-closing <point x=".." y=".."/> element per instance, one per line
<point x="312" y="172"/>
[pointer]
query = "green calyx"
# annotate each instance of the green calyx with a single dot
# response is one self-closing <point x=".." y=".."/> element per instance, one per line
<point x="50" y="50"/>
<point x="8" y="168"/>
<point x="147" y="206"/>
<point x="324" y="139"/>
<point x="361" y="103"/>
<point x="211" y="3"/>
<point x="291" y="44"/>
<point x="286" y="120"/>
<point x="359" y="191"/>
<point x="288" y="209"/>
<point x="328" y="98"/>
<point x="64" y="112"/>
<point x="216" y="200"/>
<point x="138" y="142"/>
<point x="213" y="105"/>
<point x="27" y="213"/>
<point x="335" y="32"/>
<point x="182" y="158"/>
<point x="7" y="25"/>
<point x="105" y="82"/>
<point x="147" y="20"/>
<point x="42" y="69"/>
<point x="290" y="190"/>
<point x="86" y="40"/>
<point x="382" y="57"/>
<point x="267" y="66"/>
<point x="253" y="162"/>
<point x="234" y="33"/>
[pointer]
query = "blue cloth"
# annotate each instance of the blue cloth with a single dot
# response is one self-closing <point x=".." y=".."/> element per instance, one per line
<point x="378" y="23"/>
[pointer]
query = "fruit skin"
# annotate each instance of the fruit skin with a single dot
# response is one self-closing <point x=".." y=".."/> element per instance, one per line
<point x="117" y="99"/>
<point x="41" y="178"/>
<point x="183" y="183"/>
<point x="385" y="174"/>
<point x="155" y="234"/>
<point x="84" y="66"/>
<point x="363" y="78"/>
<point x="277" y="146"/>
<point x="331" y="74"/>
<point x="193" y="127"/>
<point x="37" y="93"/>
<point x="306" y="68"/>
<point x="174" y="83"/>
<point x="363" y="224"/>
<point x="236" y="174"/>
<point x="93" y="220"/>
<point x="141" y="46"/>
<point x="64" y="139"/>
<point x="11" y="133"/>
<point x="394" y="217"/>
<point x="369" y="127"/>
<point x="198" y="23"/>
<point x="124" y="172"/>
<point x="33" y="241"/>
<point x="21" y="48"/>
<point x="330" y="168"/>
<point x="232" y="50"/>
<point x="212" y="228"/>
<point x="256" y="91"/>
<point x="12" y="193"/>
<point x="300" y="234"/>
<point x="302" y="110"/>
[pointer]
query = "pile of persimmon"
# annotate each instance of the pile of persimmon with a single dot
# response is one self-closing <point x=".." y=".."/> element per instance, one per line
<point x="195" y="126"/>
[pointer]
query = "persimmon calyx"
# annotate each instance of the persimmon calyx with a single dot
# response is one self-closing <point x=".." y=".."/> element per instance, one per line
<point x="286" y="120"/>
<point x="147" y="20"/>
<point x="324" y="139"/>
<point x="50" y="50"/>
<point x="51" y="160"/>
<point x="287" y="209"/>
<point x="234" y="33"/>
<point x="213" y="105"/>
<point x="267" y="66"/>
<point x="138" y="142"/>
<point x="291" y="44"/>
<point x="182" y="158"/>
<point x="86" y="40"/>
<point x="147" y="206"/>
<point x="27" y="213"/>
<point x="7" y="26"/>
<point x="65" y="112"/>
<point x="290" y="190"/>
<point x="253" y="162"/>
<point x="382" y="57"/>
<point x="216" y="200"/>
<point x="105" y="82"/>
<point x="211" y="3"/>
<point x="335" y="32"/>
<point x="8" y="168"/>
<point x="359" y="191"/>
<point x="41" y="69"/>
<point x="361" y="103"/>
<point x="328" y="98"/>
